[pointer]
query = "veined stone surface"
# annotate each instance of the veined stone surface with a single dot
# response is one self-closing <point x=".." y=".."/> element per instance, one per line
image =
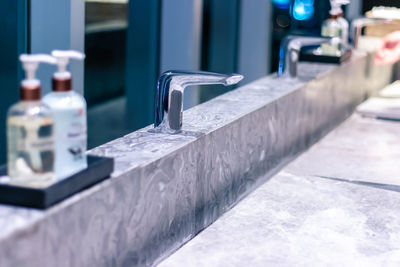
<point x="298" y="218"/>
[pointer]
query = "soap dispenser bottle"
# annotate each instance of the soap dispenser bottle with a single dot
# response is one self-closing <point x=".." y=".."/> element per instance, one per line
<point x="69" y="109"/>
<point x="30" y="132"/>
<point x="333" y="28"/>
<point x="344" y="24"/>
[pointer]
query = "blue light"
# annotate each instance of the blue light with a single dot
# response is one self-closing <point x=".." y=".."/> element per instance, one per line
<point x="303" y="9"/>
<point x="283" y="4"/>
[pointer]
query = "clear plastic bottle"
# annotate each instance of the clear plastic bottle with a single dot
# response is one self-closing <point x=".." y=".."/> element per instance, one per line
<point x="31" y="146"/>
<point x="332" y="28"/>
<point x="335" y="27"/>
<point x="30" y="131"/>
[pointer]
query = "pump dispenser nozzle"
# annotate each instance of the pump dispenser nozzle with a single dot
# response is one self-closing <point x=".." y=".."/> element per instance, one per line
<point x="30" y="63"/>
<point x="30" y="87"/>
<point x="62" y="79"/>
<point x="336" y="7"/>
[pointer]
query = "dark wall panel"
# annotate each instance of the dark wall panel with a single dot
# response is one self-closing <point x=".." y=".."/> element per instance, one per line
<point x="142" y="61"/>
<point x="13" y="18"/>
<point x="220" y="41"/>
<point x="369" y="4"/>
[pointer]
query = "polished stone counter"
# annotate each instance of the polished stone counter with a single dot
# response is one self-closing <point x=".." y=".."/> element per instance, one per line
<point x="310" y="213"/>
<point x="167" y="188"/>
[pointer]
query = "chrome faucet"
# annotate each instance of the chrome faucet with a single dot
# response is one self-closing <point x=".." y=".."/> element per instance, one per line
<point x="357" y="26"/>
<point x="289" y="53"/>
<point x="169" y="95"/>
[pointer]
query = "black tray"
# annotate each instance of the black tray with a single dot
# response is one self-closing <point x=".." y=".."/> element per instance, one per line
<point x="99" y="169"/>
<point x="307" y="54"/>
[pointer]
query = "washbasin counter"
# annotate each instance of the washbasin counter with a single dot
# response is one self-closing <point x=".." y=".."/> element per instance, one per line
<point x="167" y="188"/>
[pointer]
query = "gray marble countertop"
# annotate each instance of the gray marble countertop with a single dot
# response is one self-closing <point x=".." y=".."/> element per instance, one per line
<point x="324" y="209"/>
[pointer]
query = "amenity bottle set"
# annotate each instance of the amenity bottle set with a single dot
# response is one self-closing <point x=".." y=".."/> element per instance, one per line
<point x="337" y="28"/>
<point x="46" y="138"/>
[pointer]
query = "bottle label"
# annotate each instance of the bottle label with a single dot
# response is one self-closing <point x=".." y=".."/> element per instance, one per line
<point x="31" y="145"/>
<point x="331" y="31"/>
<point x="71" y="138"/>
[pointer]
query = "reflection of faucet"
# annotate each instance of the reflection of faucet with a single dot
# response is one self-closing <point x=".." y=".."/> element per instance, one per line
<point x="169" y="94"/>
<point x="290" y="51"/>
<point x="357" y="26"/>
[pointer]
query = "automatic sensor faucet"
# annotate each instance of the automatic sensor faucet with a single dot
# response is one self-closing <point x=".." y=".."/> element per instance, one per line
<point x="169" y="95"/>
<point x="357" y="26"/>
<point x="289" y="52"/>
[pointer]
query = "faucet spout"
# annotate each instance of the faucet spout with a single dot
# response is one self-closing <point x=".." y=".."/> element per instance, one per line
<point x="357" y="26"/>
<point x="169" y="94"/>
<point x="290" y="52"/>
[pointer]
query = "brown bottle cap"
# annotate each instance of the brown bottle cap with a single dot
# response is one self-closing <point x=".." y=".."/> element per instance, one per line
<point x="336" y="16"/>
<point x="30" y="93"/>
<point x="333" y="16"/>
<point x="62" y="84"/>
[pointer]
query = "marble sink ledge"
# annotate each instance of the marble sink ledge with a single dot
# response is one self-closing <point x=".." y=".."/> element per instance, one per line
<point x="167" y="188"/>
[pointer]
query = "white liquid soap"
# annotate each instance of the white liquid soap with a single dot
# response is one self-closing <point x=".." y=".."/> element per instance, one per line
<point x="69" y="109"/>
